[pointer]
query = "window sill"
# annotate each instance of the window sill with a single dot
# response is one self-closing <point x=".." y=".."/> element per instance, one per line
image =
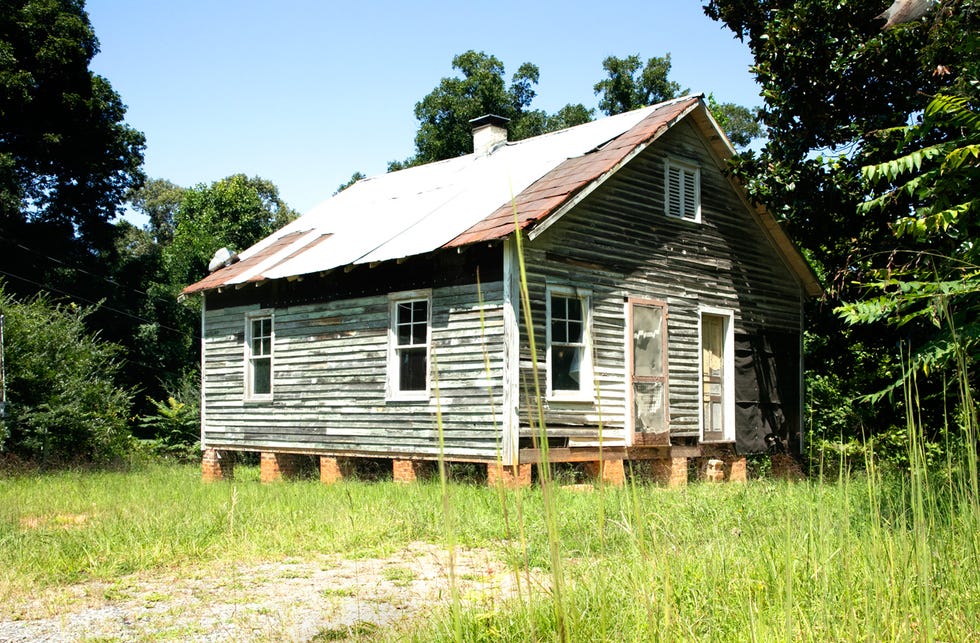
<point x="421" y="396"/>
<point x="577" y="398"/>
<point x="258" y="400"/>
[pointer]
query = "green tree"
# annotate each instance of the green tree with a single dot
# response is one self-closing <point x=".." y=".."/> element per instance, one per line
<point x="354" y="178"/>
<point x="444" y="114"/>
<point x="64" y="402"/>
<point x="838" y="92"/>
<point x="158" y="200"/>
<point x="234" y="212"/>
<point x="153" y="264"/>
<point x="66" y="156"/>
<point x="739" y="123"/>
<point x="630" y="84"/>
<point x="935" y="181"/>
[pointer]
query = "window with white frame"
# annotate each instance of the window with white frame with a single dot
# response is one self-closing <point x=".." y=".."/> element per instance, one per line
<point x="682" y="190"/>
<point x="258" y="356"/>
<point x="408" y="367"/>
<point x="569" y="345"/>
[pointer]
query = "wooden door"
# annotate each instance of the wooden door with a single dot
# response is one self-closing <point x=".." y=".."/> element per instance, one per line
<point x="713" y="377"/>
<point x="648" y="372"/>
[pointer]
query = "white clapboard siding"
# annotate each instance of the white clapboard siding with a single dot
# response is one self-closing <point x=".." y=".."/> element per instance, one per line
<point x="329" y="379"/>
<point x="618" y="243"/>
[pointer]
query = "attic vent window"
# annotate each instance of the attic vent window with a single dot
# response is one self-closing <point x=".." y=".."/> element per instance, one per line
<point x="682" y="183"/>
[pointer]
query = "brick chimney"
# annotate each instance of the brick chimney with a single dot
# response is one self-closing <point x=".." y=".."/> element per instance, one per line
<point x="488" y="132"/>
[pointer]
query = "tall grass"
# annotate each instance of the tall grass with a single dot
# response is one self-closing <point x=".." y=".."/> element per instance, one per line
<point x="762" y="561"/>
<point x="870" y="557"/>
<point x="878" y="555"/>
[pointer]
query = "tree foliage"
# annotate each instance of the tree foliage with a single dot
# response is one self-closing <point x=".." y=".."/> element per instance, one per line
<point x="444" y="114"/>
<point x="480" y="89"/>
<point x="630" y="84"/>
<point x="66" y="156"/>
<point x="839" y="94"/>
<point x="186" y="226"/>
<point x="64" y="402"/>
<point x="234" y="212"/>
<point x="936" y="181"/>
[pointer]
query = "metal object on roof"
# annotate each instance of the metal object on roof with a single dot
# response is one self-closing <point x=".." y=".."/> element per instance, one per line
<point x="902" y="11"/>
<point x="460" y="201"/>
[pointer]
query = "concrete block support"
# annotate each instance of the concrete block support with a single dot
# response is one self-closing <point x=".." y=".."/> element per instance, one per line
<point x="405" y="471"/>
<point x="217" y="465"/>
<point x="737" y="471"/>
<point x="508" y="476"/>
<point x="714" y="470"/>
<point x="670" y="471"/>
<point x="276" y="466"/>
<point x="333" y="470"/>
<point x="611" y="472"/>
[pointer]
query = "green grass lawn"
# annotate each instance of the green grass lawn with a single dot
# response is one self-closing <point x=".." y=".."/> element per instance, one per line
<point x="846" y="560"/>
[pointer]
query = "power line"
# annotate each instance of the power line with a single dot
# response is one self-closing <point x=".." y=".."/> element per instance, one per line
<point x="58" y="291"/>
<point x="104" y="278"/>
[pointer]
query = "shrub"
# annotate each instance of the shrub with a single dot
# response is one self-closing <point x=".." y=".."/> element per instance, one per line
<point x="174" y="428"/>
<point x="63" y="401"/>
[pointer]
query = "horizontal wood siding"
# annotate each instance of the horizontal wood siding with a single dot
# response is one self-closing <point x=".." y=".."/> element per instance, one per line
<point x="618" y="242"/>
<point x="329" y="370"/>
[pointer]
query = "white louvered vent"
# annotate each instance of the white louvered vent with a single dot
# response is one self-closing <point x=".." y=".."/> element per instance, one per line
<point x="683" y="190"/>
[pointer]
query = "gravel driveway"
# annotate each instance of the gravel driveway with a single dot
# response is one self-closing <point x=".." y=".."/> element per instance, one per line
<point x="326" y="599"/>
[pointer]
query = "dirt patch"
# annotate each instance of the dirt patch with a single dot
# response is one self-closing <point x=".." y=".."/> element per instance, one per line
<point x="60" y="521"/>
<point x="329" y="598"/>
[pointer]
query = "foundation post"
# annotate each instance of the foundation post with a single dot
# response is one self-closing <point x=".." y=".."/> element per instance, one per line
<point x="611" y="472"/>
<point x="670" y="471"/>
<point x="405" y="471"/>
<point x="511" y="477"/>
<point x="217" y="465"/>
<point x="737" y="470"/>
<point x="276" y="466"/>
<point x="333" y="470"/>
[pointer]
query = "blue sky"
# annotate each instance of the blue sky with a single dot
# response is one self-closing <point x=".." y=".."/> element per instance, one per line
<point x="306" y="92"/>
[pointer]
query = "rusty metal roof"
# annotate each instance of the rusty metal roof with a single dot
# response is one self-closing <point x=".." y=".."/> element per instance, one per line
<point x="456" y="202"/>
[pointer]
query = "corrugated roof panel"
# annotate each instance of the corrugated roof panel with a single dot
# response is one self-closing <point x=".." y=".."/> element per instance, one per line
<point x="553" y="189"/>
<point x="449" y="203"/>
<point x="239" y="271"/>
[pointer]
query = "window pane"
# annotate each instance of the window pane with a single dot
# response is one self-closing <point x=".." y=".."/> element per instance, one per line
<point x="420" y="319"/>
<point x="648" y="400"/>
<point x="404" y="334"/>
<point x="559" y="331"/>
<point x="565" y="364"/>
<point x="261" y="376"/>
<point x="574" y="332"/>
<point x="647" y="341"/>
<point x="412" y="371"/>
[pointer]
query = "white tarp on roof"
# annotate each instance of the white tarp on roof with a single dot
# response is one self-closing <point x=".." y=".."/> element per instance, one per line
<point x="419" y="209"/>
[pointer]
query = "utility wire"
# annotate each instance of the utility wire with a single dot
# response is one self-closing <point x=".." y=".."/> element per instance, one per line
<point x="54" y="290"/>
<point x="104" y="278"/>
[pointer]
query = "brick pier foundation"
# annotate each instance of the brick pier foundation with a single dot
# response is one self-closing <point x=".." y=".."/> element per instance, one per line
<point x="217" y="465"/>
<point x="670" y="471"/>
<point x="276" y="466"/>
<point x="508" y="476"/>
<point x="610" y="472"/>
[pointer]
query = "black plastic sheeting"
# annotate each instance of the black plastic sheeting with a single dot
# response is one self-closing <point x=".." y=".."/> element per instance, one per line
<point x="767" y="390"/>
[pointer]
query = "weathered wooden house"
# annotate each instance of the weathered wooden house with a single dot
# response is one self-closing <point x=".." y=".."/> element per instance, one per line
<point x="666" y="309"/>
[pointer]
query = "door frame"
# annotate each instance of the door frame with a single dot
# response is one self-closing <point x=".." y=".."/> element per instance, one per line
<point x="728" y="370"/>
<point x="630" y="302"/>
